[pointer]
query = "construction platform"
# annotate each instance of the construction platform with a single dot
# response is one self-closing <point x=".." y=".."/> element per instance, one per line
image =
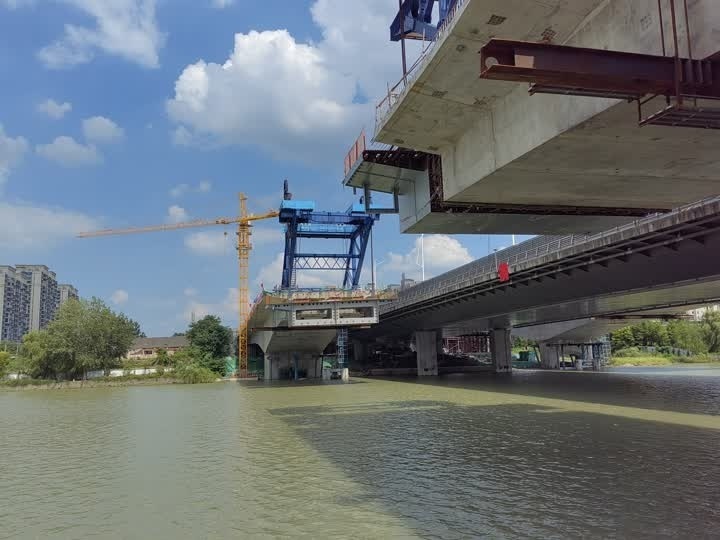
<point x="293" y="328"/>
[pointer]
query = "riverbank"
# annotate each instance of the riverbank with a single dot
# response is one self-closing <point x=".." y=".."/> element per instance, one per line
<point x="109" y="382"/>
<point x="664" y="361"/>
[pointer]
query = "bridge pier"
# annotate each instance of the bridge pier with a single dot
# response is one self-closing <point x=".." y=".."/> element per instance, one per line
<point x="289" y="365"/>
<point x="501" y="350"/>
<point x="360" y="353"/>
<point x="426" y="348"/>
<point x="549" y="356"/>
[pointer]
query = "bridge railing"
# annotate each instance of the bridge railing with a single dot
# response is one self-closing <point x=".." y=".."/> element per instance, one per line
<point x="397" y="92"/>
<point x="486" y="268"/>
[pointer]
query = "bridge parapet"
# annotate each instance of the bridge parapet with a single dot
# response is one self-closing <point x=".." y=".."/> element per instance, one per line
<point x="686" y="221"/>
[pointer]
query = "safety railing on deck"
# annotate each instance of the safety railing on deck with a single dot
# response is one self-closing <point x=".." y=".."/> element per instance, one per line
<point x="394" y="94"/>
<point x="486" y="268"/>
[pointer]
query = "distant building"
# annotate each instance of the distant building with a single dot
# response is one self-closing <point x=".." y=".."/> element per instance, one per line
<point x="149" y="347"/>
<point x="67" y="292"/>
<point x="14" y="304"/>
<point x="698" y="314"/>
<point x="44" y="294"/>
<point x="406" y="283"/>
<point x="29" y="298"/>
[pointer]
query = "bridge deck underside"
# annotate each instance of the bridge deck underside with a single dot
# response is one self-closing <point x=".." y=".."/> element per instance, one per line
<point x="661" y="269"/>
<point x="502" y="146"/>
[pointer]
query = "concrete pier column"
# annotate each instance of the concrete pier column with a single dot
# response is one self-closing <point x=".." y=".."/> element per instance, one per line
<point x="501" y="350"/>
<point x="549" y="357"/>
<point x="426" y="346"/>
<point x="267" y="370"/>
<point x="360" y="353"/>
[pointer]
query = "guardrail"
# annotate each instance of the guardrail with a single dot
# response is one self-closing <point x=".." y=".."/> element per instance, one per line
<point x="383" y="108"/>
<point x="486" y="268"/>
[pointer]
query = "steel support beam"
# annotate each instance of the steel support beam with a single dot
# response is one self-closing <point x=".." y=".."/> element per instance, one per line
<point x="598" y="72"/>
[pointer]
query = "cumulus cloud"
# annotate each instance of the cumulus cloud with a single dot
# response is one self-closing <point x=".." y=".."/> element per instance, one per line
<point x="54" y="109"/>
<point x="119" y="297"/>
<point x="24" y="226"/>
<point x="270" y="276"/>
<point x="181" y="189"/>
<point x="217" y="243"/>
<point x="226" y="308"/>
<point x="68" y="152"/>
<point x="176" y="214"/>
<point x="14" y="4"/>
<point x="12" y="150"/>
<point x="442" y="253"/>
<point x="124" y="28"/>
<point x="291" y="98"/>
<point x="209" y="243"/>
<point x="99" y="129"/>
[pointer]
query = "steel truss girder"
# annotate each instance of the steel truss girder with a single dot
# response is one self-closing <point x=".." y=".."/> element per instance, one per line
<point x="598" y="72"/>
<point x="351" y="226"/>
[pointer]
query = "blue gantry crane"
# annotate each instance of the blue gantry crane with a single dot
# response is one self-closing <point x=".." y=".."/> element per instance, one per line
<point x="302" y="220"/>
<point x="414" y="19"/>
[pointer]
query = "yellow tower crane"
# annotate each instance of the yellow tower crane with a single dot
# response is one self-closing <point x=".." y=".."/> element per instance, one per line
<point x="244" y="247"/>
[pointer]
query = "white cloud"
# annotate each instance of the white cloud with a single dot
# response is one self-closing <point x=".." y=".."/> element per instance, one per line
<point x="220" y="4"/>
<point x="181" y="189"/>
<point x="54" y="109"/>
<point x="24" y="226"/>
<point x="176" y="214"/>
<point x="12" y="151"/>
<point x="119" y="297"/>
<point x="14" y="4"/>
<point x="99" y="129"/>
<point x="209" y="243"/>
<point x="292" y="99"/>
<point x="270" y="276"/>
<point x="67" y="151"/>
<point x="190" y="292"/>
<point x="226" y="308"/>
<point x="124" y="28"/>
<point x="442" y="253"/>
<point x="217" y="243"/>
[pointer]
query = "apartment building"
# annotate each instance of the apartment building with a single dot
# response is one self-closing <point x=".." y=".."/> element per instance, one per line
<point x="29" y="298"/>
<point x="14" y="304"/>
<point x="67" y="292"/>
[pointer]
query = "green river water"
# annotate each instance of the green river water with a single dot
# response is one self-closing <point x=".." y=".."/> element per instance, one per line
<point x="628" y="454"/>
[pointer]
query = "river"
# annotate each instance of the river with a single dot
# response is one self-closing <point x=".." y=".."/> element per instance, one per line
<point x="625" y="454"/>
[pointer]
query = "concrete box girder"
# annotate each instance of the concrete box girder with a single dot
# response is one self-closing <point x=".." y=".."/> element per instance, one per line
<point x="500" y="145"/>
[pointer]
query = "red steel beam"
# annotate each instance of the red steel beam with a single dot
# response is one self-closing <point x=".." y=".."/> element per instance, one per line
<point x="586" y="71"/>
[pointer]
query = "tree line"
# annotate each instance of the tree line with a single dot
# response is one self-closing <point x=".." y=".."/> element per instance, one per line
<point x="696" y="337"/>
<point x="86" y="335"/>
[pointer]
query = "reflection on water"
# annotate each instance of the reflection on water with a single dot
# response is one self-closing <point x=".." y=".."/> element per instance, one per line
<point x="543" y="455"/>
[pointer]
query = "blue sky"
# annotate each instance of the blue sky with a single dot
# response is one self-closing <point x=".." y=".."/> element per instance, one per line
<point x="117" y="113"/>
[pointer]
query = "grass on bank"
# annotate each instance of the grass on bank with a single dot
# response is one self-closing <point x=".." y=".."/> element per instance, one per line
<point x="635" y="357"/>
<point x="183" y="374"/>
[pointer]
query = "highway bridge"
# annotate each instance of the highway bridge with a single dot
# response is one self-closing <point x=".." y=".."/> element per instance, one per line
<point x="567" y="286"/>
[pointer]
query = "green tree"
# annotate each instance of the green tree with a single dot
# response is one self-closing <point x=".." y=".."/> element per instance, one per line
<point x="687" y="335"/>
<point x="162" y="358"/>
<point x="84" y="335"/>
<point x="651" y="334"/>
<point x="4" y="363"/>
<point x="210" y="337"/>
<point x="623" y="338"/>
<point x="710" y="326"/>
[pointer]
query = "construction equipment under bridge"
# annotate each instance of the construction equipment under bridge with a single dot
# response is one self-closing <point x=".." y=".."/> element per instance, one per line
<point x="291" y="327"/>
